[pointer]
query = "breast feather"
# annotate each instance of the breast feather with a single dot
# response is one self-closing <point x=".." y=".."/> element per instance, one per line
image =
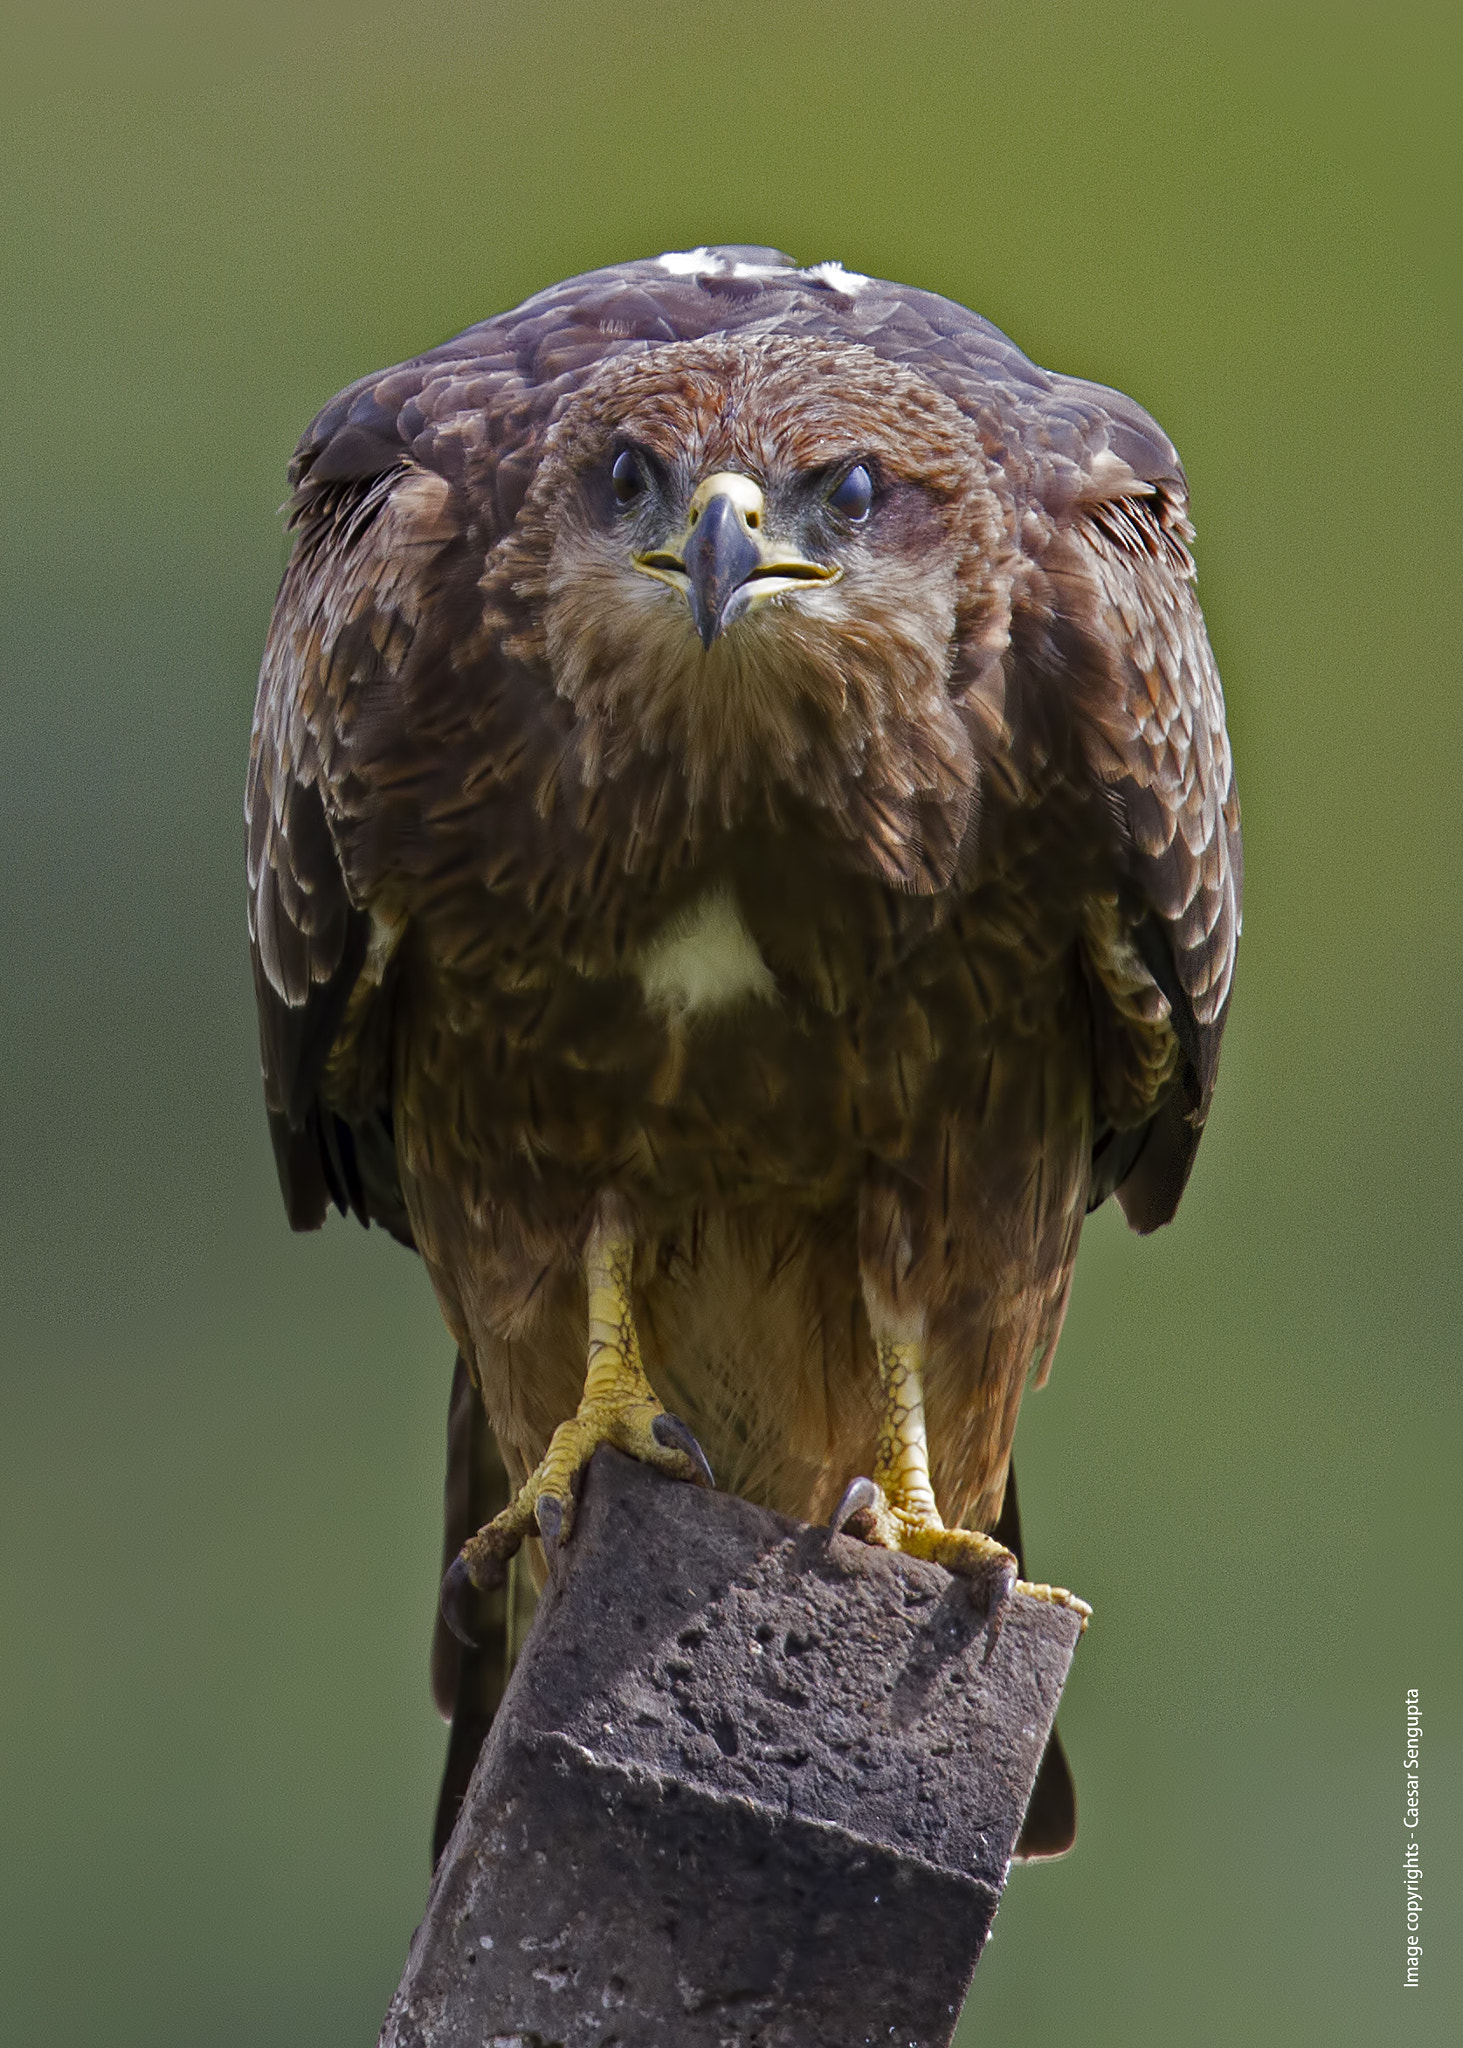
<point x="704" y="959"/>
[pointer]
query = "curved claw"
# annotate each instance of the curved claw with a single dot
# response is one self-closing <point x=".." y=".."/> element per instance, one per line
<point x="1000" y="1582"/>
<point x="860" y="1497"/>
<point x="672" y="1435"/>
<point x="549" y="1514"/>
<point x="457" y="1599"/>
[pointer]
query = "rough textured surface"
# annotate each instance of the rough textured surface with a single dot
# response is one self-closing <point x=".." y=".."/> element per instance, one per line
<point x="750" y="1784"/>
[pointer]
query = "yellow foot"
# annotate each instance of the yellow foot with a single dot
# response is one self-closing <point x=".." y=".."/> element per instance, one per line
<point x="618" y="1407"/>
<point x="544" y="1504"/>
<point x="916" y="1529"/>
<point x="896" y="1508"/>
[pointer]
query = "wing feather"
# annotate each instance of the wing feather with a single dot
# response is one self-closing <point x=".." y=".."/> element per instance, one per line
<point x="1152" y="718"/>
<point x="344" y="621"/>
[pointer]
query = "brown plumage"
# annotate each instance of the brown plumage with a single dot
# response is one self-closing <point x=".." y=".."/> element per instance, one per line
<point x="850" y="944"/>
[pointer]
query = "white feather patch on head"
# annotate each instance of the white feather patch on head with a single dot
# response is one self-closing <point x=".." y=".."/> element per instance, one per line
<point x="702" y="263"/>
<point x="850" y="282"/>
<point x="688" y="262"/>
<point x="704" y="959"/>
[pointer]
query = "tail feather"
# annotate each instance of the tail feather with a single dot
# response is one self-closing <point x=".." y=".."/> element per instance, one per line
<point x="1050" y="1826"/>
<point x="468" y="1684"/>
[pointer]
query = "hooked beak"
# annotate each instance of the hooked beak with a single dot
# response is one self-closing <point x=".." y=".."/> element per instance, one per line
<point x="722" y="562"/>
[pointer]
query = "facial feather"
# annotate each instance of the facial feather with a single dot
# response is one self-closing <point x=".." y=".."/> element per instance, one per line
<point x="840" y="694"/>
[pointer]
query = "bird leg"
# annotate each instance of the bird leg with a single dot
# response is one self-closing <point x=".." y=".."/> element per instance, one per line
<point x="896" y="1508"/>
<point x="618" y="1406"/>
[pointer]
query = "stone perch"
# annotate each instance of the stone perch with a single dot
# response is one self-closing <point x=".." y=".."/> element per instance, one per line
<point x="750" y="1784"/>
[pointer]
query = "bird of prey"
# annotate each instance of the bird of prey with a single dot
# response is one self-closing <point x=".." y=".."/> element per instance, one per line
<point x="743" y="855"/>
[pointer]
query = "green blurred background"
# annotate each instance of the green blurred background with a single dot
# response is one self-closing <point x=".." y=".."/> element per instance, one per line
<point x="222" y="1446"/>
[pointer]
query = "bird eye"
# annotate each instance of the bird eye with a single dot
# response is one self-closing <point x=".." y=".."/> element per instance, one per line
<point x="854" y="495"/>
<point x="626" y="477"/>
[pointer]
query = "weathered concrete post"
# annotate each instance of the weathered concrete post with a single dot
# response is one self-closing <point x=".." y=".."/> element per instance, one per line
<point x="750" y="1784"/>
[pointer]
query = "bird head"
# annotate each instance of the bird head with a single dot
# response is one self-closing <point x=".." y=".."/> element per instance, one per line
<point x="763" y="560"/>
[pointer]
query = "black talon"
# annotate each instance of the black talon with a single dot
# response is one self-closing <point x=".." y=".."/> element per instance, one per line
<point x="549" y="1514"/>
<point x="457" y="1600"/>
<point x="672" y="1435"/>
<point x="860" y="1497"/>
<point x="1000" y="1582"/>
